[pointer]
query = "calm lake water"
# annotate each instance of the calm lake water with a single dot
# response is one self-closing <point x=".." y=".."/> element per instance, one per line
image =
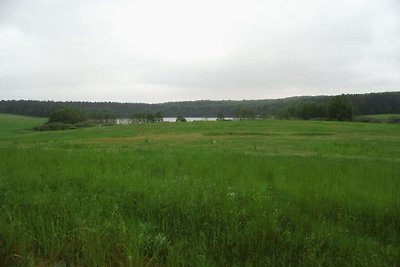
<point x="173" y="119"/>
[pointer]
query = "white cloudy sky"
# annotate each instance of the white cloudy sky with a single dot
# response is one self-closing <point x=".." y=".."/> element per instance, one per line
<point x="169" y="50"/>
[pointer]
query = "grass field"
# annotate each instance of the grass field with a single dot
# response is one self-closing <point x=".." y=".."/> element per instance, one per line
<point x="229" y="193"/>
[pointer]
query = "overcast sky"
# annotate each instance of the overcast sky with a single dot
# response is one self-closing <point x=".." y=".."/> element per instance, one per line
<point x="171" y="50"/>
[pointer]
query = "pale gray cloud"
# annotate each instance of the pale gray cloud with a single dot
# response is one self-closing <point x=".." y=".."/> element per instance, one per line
<point x="156" y="51"/>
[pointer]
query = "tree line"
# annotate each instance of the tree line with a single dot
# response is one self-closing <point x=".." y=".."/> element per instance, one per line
<point x="338" y="108"/>
<point x="304" y="107"/>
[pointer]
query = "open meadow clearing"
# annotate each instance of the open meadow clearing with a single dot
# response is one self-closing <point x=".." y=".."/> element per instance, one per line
<point x="223" y="193"/>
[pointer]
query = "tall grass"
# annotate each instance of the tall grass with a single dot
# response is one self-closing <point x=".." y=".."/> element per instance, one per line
<point x="238" y="194"/>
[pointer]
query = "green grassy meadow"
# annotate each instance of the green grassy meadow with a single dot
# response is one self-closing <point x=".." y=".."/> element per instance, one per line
<point x="226" y="193"/>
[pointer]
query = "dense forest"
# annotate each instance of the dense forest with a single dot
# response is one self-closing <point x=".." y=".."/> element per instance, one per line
<point x="304" y="107"/>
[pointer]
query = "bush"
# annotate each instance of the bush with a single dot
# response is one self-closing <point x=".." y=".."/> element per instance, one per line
<point x="67" y="115"/>
<point x="367" y="119"/>
<point x="55" y="126"/>
<point x="65" y="119"/>
<point x="393" y="119"/>
<point x="180" y="119"/>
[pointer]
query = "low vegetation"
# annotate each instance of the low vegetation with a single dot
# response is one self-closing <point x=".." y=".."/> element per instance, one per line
<point x="180" y="118"/>
<point x="379" y="118"/>
<point x="237" y="193"/>
<point x="146" y="117"/>
<point x="65" y="119"/>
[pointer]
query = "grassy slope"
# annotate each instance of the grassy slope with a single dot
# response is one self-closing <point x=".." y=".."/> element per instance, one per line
<point x="15" y="125"/>
<point x="205" y="193"/>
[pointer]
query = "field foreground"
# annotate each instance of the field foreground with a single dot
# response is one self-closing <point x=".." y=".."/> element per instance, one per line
<point x="234" y="193"/>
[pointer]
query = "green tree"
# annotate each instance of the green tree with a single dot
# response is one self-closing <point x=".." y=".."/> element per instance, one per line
<point x="158" y="117"/>
<point x="311" y="111"/>
<point x="245" y="114"/>
<point x="220" y="116"/>
<point x="341" y="108"/>
<point x="67" y="115"/>
<point x="180" y="118"/>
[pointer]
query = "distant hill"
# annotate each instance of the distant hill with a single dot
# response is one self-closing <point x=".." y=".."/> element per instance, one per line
<point x="373" y="103"/>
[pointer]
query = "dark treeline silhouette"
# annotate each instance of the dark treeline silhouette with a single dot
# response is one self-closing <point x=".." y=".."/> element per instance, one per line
<point x="103" y="118"/>
<point x="379" y="103"/>
<point x="67" y="115"/>
<point x="303" y="107"/>
<point x="146" y="117"/>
